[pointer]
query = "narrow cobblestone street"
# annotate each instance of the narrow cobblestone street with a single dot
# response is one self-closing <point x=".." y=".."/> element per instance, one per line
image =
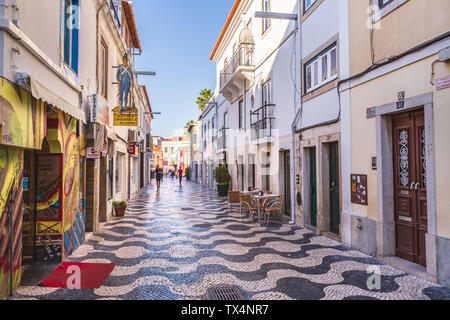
<point x="175" y="243"/>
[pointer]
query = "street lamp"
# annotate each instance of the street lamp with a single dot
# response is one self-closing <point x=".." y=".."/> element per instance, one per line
<point x="208" y="102"/>
<point x="145" y="73"/>
<point x="275" y="15"/>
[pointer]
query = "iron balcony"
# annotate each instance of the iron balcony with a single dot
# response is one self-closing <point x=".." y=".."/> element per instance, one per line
<point x="262" y="122"/>
<point x="241" y="67"/>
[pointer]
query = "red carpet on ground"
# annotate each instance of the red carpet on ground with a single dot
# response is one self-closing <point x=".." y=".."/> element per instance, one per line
<point x="76" y="275"/>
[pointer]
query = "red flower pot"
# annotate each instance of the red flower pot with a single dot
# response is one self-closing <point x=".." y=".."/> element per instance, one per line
<point x="120" y="211"/>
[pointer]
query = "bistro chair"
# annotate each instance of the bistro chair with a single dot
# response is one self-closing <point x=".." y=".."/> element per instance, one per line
<point x="234" y="199"/>
<point x="268" y="201"/>
<point x="275" y="206"/>
<point x="247" y="205"/>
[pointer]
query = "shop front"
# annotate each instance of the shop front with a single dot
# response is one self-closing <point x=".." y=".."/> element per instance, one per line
<point x="41" y="205"/>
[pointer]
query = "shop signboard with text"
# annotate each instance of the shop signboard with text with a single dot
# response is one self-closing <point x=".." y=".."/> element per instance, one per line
<point x="99" y="110"/>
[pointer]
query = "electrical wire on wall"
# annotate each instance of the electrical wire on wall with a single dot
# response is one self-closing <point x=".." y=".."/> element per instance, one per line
<point x="432" y="71"/>
<point x="372" y="16"/>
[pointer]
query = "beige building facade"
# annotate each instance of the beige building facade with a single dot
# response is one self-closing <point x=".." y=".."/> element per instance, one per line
<point x="398" y="173"/>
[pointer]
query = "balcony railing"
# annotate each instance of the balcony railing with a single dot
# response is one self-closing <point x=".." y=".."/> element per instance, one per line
<point x="243" y="57"/>
<point x="262" y="122"/>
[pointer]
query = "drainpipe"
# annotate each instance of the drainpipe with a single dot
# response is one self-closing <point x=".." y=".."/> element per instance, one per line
<point x="297" y="115"/>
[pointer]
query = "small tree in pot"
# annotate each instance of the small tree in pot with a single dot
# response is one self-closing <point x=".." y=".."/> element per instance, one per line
<point x="119" y="208"/>
<point x="187" y="172"/>
<point x="223" y="180"/>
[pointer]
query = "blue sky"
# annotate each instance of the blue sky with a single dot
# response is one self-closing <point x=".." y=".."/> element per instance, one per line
<point x="178" y="37"/>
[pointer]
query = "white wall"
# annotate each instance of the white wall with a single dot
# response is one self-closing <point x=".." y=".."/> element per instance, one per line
<point x="276" y="57"/>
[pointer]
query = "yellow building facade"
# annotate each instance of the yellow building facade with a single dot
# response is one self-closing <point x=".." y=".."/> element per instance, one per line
<point x="400" y="137"/>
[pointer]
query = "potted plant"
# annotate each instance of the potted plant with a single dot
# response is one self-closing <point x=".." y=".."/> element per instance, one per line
<point x="119" y="208"/>
<point x="188" y="173"/>
<point x="223" y="180"/>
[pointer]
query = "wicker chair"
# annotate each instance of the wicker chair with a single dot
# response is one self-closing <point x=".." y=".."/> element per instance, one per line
<point x="274" y="206"/>
<point x="267" y="202"/>
<point x="247" y="205"/>
<point x="233" y="200"/>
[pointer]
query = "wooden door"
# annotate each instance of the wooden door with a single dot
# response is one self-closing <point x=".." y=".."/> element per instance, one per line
<point x="410" y="191"/>
<point x="313" y="186"/>
<point x="335" y="210"/>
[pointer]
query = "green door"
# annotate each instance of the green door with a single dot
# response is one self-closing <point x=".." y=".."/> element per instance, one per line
<point x="334" y="188"/>
<point x="287" y="183"/>
<point x="313" y="186"/>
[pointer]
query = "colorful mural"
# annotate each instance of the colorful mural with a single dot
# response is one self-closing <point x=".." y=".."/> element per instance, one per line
<point x="49" y="211"/>
<point x="11" y="200"/>
<point x="22" y="116"/>
<point x="60" y="226"/>
<point x="63" y="137"/>
<point x="22" y="125"/>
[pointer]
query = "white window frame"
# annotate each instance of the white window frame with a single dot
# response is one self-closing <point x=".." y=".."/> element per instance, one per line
<point x="306" y="5"/>
<point x="316" y="70"/>
<point x="387" y="7"/>
<point x="266" y="91"/>
<point x="103" y="64"/>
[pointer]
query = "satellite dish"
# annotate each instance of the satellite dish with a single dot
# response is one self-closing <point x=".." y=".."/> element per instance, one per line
<point x="246" y="36"/>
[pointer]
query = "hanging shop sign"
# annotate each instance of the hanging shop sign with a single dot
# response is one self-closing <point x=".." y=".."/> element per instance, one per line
<point x="99" y="110"/>
<point x="126" y="119"/>
<point x="91" y="153"/>
<point x="125" y="114"/>
<point x="133" y="149"/>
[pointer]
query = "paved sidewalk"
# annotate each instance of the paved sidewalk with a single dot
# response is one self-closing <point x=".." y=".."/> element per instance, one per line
<point x="176" y="243"/>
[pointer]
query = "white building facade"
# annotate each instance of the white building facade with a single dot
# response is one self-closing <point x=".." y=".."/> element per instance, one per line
<point x="323" y="127"/>
<point x="257" y="76"/>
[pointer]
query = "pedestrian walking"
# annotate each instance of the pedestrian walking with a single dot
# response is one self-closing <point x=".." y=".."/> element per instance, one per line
<point x="159" y="173"/>
<point x="180" y="175"/>
<point x="172" y="173"/>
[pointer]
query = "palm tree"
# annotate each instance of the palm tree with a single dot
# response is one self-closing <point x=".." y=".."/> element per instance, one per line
<point x="205" y="95"/>
<point x="186" y="127"/>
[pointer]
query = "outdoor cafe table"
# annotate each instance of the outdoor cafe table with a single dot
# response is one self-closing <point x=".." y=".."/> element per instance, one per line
<point x="250" y="192"/>
<point x="258" y="198"/>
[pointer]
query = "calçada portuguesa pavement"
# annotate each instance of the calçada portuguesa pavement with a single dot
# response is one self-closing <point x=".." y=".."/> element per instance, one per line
<point x="176" y="242"/>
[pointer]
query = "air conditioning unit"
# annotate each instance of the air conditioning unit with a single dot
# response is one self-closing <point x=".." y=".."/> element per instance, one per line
<point x="132" y="136"/>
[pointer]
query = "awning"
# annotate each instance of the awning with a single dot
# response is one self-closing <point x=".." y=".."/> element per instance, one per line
<point x="39" y="91"/>
<point x="101" y="140"/>
<point x="110" y="134"/>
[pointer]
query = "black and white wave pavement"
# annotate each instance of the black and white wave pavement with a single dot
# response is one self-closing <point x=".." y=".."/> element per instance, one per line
<point x="176" y="243"/>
